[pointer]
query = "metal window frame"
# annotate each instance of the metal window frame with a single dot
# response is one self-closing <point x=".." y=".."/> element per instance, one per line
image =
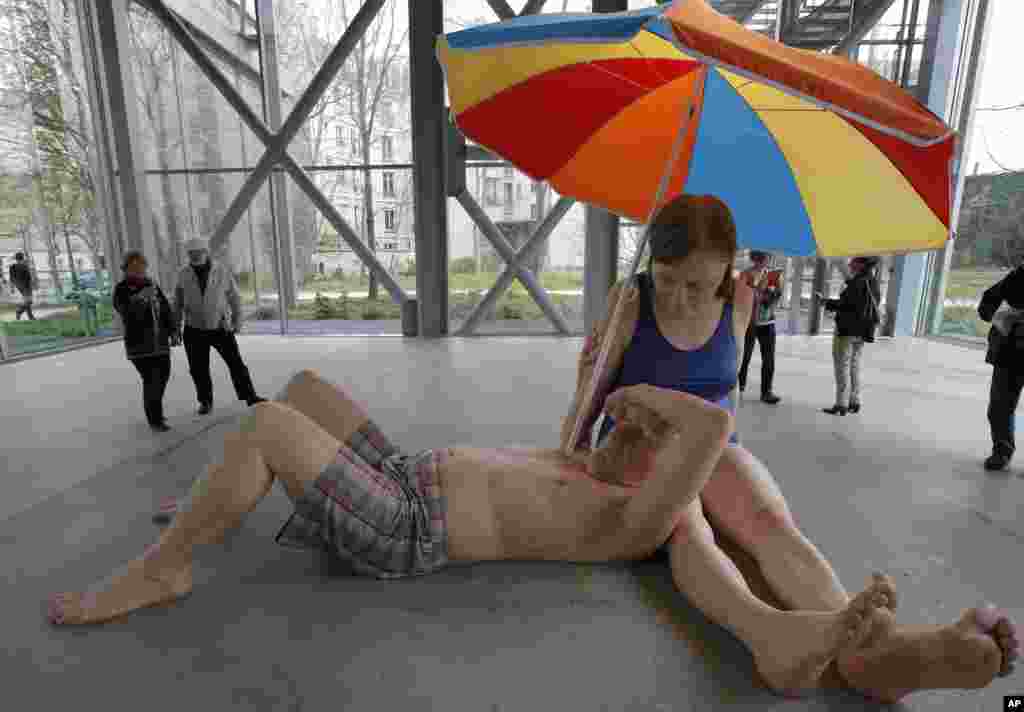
<point x="276" y="142"/>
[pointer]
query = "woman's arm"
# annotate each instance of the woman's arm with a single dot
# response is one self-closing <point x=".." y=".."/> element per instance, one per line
<point x="585" y="370"/>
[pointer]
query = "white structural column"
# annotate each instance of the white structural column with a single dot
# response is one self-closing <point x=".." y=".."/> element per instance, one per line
<point x="109" y="33"/>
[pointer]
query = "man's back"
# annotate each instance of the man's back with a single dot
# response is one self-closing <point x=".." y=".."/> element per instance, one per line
<point x="21" y="276"/>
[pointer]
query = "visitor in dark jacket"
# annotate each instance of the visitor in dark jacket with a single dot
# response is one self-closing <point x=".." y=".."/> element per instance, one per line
<point x="21" y="279"/>
<point x="857" y="317"/>
<point x="1007" y="359"/>
<point x="149" y="332"/>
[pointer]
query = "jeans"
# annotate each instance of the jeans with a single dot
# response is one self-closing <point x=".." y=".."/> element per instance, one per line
<point x="846" y="352"/>
<point x="765" y="336"/>
<point x="25" y="307"/>
<point x="197" y="349"/>
<point x="155" y="372"/>
<point x="1004" y="395"/>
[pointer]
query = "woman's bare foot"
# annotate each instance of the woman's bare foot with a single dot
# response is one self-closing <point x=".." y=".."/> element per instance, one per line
<point x="967" y="654"/>
<point x="135" y="586"/>
<point x="793" y="658"/>
<point x="166" y="512"/>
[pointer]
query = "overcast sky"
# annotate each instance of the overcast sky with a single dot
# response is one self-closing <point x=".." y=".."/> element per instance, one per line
<point x="998" y="142"/>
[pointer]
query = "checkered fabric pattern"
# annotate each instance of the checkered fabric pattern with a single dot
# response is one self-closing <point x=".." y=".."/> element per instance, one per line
<point x="378" y="509"/>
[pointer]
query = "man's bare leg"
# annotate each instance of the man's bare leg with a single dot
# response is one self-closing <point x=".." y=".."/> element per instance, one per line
<point x="319" y="400"/>
<point x="274" y="440"/>
<point x="967" y="654"/>
<point x="791" y="649"/>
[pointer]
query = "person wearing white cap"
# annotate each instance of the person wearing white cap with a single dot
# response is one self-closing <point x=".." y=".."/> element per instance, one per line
<point x="207" y="303"/>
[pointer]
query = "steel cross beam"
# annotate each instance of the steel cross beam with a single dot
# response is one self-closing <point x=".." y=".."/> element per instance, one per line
<point x="492" y="233"/>
<point x="277" y="144"/>
<point x="515" y="267"/>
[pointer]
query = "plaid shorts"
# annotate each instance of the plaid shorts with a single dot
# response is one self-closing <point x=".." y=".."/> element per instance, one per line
<point x="378" y="509"/>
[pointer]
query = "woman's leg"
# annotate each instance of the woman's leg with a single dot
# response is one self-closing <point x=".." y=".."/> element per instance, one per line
<point x="274" y="442"/>
<point x="745" y="501"/>
<point x="791" y="649"/>
<point x="856" y="349"/>
<point x="840" y="360"/>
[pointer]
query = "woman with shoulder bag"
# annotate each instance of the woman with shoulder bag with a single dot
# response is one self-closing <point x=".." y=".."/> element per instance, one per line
<point x="149" y="332"/>
<point x="857" y="317"/>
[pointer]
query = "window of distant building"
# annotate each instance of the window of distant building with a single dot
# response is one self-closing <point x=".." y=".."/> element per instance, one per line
<point x="389" y="184"/>
<point x="385" y="148"/>
<point x="389" y="220"/>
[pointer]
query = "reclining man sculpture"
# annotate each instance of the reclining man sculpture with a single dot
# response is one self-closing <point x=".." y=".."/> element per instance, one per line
<point x="391" y="515"/>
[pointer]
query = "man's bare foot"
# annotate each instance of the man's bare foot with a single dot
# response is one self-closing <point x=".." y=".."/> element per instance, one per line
<point x="967" y="654"/>
<point x="130" y="589"/>
<point x="793" y="658"/>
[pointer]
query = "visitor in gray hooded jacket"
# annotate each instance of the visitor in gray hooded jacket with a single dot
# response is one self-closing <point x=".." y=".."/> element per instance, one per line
<point x="207" y="303"/>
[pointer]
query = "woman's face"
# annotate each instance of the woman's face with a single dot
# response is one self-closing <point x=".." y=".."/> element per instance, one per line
<point x="688" y="285"/>
<point x="136" y="268"/>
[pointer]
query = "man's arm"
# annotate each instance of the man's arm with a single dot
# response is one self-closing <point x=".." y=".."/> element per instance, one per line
<point x="179" y="304"/>
<point x="680" y="439"/>
<point x="235" y="300"/>
<point x="992" y="298"/>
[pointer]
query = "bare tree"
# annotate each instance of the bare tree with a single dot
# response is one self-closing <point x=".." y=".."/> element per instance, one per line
<point x="42" y="84"/>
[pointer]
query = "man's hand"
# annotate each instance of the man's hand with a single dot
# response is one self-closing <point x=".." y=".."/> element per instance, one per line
<point x="640" y="406"/>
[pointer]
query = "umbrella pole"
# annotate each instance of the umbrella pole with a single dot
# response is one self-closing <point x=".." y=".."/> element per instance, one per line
<point x="602" y="358"/>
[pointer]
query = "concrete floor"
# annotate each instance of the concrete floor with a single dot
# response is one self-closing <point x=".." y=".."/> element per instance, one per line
<point x="898" y="488"/>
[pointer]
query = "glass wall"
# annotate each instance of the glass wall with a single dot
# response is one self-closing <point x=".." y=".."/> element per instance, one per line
<point x="989" y="238"/>
<point x="197" y="153"/>
<point x="50" y="207"/>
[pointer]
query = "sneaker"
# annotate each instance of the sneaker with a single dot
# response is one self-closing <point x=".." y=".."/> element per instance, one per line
<point x="205" y="408"/>
<point x="997" y="461"/>
<point x="770" y="398"/>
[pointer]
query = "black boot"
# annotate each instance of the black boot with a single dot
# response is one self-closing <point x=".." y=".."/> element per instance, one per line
<point x="770" y="398"/>
<point x="854" y="407"/>
<point x="998" y="460"/>
<point x="835" y="410"/>
<point x="205" y="408"/>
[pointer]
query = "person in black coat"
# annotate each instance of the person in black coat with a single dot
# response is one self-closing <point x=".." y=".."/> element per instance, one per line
<point x="857" y="317"/>
<point x="149" y="332"/>
<point x="1006" y="354"/>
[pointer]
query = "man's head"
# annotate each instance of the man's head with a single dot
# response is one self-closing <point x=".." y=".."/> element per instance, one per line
<point x="198" y="252"/>
<point x="759" y="259"/>
<point x="19" y="256"/>
<point x="693" y="246"/>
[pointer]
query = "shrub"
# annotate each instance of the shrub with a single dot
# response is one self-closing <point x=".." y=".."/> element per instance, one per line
<point x="342" y="306"/>
<point x="322" y="307"/>
<point x="339" y="274"/>
<point x="409" y="270"/>
<point x="463" y="265"/>
<point x="510" y="311"/>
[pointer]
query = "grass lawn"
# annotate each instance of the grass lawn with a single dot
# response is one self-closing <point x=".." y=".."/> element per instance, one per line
<point x="970" y="283"/>
<point x="63" y="325"/>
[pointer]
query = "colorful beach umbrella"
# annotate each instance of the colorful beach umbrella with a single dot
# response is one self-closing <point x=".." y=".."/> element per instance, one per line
<point x="814" y="154"/>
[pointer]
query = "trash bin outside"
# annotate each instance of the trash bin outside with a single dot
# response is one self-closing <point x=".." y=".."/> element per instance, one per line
<point x="411" y="317"/>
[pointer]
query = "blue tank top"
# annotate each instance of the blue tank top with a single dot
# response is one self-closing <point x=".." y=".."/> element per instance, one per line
<point x="708" y="372"/>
